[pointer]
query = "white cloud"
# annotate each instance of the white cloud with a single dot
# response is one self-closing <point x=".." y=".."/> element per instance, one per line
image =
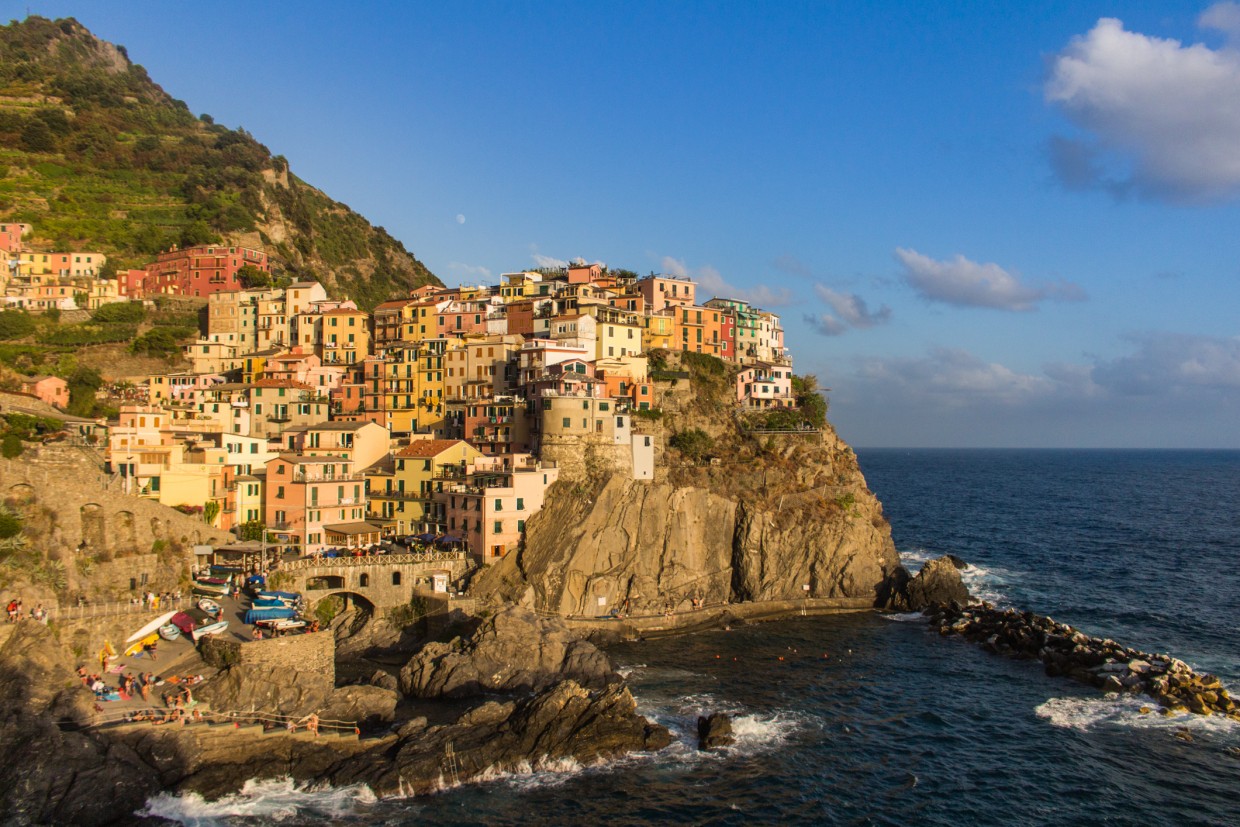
<point x="549" y="262"/>
<point x="851" y="309"/>
<point x="1166" y="363"/>
<point x="954" y="376"/>
<point x="965" y="283"/>
<point x="473" y="271"/>
<point x="1223" y="17"/>
<point x="711" y="284"/>
<point x="1164" y="117"/>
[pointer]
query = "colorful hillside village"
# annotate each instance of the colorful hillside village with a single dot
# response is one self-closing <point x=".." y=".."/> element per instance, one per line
<point x="447" y="414"/>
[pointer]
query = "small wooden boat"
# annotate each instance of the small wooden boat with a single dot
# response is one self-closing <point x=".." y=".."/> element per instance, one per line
<point x="151" y="627"/>
<point x="214" y="581"/>
<point x="285" y="624"/>
<point x="169" y="631"/>
<point x="209" y="629"/>
<point x="209" y="606"/>
<point x="210" y="589"/>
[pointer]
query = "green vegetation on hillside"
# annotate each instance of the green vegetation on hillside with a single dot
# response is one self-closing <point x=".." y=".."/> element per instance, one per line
<point x="97" y="156"/>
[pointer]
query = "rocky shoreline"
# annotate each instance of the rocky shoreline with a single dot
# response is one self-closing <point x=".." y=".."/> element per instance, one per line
<point x="1098" y="662"/>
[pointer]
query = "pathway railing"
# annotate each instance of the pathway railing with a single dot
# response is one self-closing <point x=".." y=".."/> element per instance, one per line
<point x="117" y="609"/>
<point x="373" y="560"/>
<point x="272" y="722"/>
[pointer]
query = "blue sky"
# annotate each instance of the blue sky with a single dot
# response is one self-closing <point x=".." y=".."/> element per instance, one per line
<point x="983" y="224"/>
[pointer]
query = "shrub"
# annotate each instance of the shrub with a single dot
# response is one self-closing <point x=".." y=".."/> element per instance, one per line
<point x="122" y="312"/>
<point x="12" y="446"/>
<point x="15" y="323"/>
<point x="694" y="443"/>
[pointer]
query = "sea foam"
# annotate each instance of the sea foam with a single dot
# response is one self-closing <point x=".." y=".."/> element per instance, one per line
<point x="270" y="800"/>
<point x="1084" y="714"/>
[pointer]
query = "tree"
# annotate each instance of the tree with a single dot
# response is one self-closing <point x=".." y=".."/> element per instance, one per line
<point x="252" y="530"/>
<point x="83" y="385"/>
<point x="252" y="277"/>
<point x="810" y="400"/>
<point x="159" y="341"/>
<point x="195" y="233"/>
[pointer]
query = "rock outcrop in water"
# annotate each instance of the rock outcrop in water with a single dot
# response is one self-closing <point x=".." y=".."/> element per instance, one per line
<point x="1099" y="662"/>
<point x="937" y="582"/>
<point x="513" y="651"/>
<point x="562" y="723"/>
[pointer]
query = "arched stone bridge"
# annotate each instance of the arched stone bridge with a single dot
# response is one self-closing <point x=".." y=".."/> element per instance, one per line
<point x="385" y="580"/>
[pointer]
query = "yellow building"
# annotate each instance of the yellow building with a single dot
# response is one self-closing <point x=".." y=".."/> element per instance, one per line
<point x="657" y="332"/>
<point x="517" y="286"/>
<point x="346" y="337"/>
<point x="406" y="494"/>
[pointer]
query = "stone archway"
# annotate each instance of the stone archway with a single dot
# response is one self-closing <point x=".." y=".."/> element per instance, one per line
<point x="94" y="531"/>
<point x="125" y="534"/>
<point x="21" y="494"/>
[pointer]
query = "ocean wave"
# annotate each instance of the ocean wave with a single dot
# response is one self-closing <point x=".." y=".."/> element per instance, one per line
<point x="1084" y="714"/>
<point x="904" y="617"/>
<point x="267" y="801"/>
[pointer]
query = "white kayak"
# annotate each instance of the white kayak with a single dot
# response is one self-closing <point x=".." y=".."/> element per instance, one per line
<point x="209" y="629"/>
<point x="150" y="628"/>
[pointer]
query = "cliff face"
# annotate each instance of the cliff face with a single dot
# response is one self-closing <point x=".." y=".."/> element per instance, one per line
<point x="761" y="526"/>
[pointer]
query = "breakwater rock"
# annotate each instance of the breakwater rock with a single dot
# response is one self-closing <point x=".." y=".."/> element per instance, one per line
<point x="1099" y="662"/>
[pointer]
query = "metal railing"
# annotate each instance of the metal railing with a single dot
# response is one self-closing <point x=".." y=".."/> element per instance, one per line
<point x="373" y="560"/>
<point x="279" y="723"/>
<point x="116" y="609"/>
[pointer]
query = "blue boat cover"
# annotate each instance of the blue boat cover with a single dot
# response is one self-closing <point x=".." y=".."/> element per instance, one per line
<point x="255" y="615"/>
<point x="268" y="603"/>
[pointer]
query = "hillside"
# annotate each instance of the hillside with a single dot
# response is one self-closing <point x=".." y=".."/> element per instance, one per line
<point x="97" y="156"/>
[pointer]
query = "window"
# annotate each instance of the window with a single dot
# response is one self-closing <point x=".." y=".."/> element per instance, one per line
<point x="520" y="526"/>
<point x="499" y="504"/>
<point x="395" y="578"/>
<point x="520" y="503"/>
<point x="363" y="580"/>
<point x="499" y="526"/>
<point x="279" y="492"/>
<point x="567" y="423"/>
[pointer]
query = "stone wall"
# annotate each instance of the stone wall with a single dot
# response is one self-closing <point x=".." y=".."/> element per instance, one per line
<point x="314" y="653"/>
<point x="75" y="514"/>
<point x="303" y="653"/>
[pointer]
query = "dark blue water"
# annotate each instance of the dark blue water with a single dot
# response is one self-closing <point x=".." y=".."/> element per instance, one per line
<point x="868" y="720"/>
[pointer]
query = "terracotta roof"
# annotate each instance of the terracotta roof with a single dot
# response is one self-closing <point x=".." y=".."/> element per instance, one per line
<point x="282" y="383"/>
<point x="428" y="447"/>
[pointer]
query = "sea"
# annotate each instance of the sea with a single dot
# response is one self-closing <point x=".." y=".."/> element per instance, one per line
<point x="866" y="719"/>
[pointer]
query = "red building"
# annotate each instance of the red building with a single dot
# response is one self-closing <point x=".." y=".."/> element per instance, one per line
<point x="194" y="271"/>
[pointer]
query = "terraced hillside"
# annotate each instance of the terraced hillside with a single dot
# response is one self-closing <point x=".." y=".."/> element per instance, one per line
<point x="97" y="156"/>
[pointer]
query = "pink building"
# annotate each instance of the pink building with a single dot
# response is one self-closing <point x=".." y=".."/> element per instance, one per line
<point x="666" y="291"/>
<point x="51" y="389"/>
<point x="305" y="495"/>
<point x="489" y="508"/>
<point x="762" y="385"/>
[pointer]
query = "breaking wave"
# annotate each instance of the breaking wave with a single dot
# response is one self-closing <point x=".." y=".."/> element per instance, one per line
<point x="267" y="801"/>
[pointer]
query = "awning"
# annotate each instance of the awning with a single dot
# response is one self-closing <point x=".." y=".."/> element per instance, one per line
<point x="352" y="528"/>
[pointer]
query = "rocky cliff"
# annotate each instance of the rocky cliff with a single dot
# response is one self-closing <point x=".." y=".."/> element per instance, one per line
<point x="769" y="517"/>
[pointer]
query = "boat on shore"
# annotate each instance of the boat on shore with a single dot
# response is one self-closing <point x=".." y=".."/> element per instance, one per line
<point x="209" y="629"/>
<point x="151" y="627"/>
<point x="169" y="631"/>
